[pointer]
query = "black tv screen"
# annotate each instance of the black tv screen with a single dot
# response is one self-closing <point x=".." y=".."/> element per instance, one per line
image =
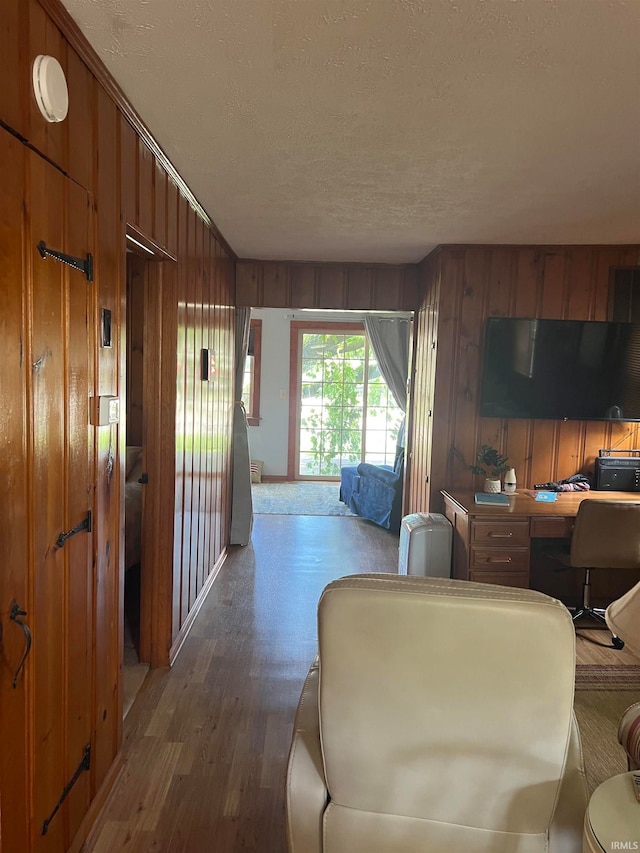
<point x="561" y="369"/>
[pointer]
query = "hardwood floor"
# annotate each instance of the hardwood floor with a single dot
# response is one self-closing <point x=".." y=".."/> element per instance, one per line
<point x="206" y="743"/>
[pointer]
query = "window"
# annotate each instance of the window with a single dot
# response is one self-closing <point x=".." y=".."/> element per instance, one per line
<point x="345" y="411"/>
<point x="251" y="380"/>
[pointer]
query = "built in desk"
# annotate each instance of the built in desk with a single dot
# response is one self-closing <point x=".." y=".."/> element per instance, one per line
<point x="492" y="544"/>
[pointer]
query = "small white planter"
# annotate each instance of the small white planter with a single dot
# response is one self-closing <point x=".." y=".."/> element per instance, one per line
<point x="492" y="486"/>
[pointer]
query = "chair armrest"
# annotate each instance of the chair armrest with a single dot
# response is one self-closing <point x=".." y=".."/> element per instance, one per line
<point x="565" y="830"/>
<point x="306" y="794"/>
<point x="629" y="735"/>
<point x="383" y="473"/>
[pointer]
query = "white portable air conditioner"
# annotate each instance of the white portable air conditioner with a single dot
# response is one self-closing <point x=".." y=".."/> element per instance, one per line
<point x="425" y="545"/>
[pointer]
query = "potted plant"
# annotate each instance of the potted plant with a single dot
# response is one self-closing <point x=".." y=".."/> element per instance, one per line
<point x="490" y="464"/>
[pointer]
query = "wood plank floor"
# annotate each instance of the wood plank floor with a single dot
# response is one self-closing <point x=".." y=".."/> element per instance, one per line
<point x="206" y="742"/>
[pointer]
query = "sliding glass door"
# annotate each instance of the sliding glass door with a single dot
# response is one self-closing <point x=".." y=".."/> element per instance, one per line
<point x="344" y="411"/>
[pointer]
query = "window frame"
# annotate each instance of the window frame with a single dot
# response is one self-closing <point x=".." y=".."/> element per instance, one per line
<point x="253" y="411"/>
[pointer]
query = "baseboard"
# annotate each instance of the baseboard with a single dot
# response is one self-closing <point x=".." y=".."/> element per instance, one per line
<point x="197" y="604"/>
<point x="275" y="478"/>
<point x="91" y="822"/>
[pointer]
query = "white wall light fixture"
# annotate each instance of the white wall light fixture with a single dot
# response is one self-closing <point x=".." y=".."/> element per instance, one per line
<point x="50" y="88"/>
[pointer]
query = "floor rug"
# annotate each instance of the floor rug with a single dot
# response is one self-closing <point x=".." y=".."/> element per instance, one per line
<point x="298" y="499"/>
<point x="597" y="677"/>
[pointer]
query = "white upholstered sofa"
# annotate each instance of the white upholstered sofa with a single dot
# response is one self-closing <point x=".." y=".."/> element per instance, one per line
<point x="437" y="717"/>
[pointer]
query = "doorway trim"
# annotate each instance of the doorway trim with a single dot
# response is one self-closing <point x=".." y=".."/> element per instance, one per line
<point x="158" y="454"/>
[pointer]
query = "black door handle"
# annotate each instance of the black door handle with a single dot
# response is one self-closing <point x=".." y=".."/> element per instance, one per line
<point x="14" y="614"/>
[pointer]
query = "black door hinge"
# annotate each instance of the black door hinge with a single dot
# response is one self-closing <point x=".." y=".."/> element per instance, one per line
<point x="85" y="265"/>
<point x="85" y="764"/>
<point x="85" y="524"/>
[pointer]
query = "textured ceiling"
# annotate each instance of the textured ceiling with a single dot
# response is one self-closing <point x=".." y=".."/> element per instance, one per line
<point x="373" y="130"/>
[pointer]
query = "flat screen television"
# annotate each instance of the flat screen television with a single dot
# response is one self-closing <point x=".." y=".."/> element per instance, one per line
<point x="561" y="369"/>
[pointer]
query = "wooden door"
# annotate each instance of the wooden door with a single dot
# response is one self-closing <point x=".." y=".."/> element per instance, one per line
<point x="46" y="575"/>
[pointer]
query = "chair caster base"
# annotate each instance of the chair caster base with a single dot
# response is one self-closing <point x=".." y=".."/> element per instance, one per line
<point x="617" y="643"/>
<point x="590" y="612"/>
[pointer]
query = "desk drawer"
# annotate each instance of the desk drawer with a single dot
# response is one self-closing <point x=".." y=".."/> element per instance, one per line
<point x="553" y="527"/>
<point x="500" y="533"/>
<point x="519" y="579"/>
<point x="500" y="559"/>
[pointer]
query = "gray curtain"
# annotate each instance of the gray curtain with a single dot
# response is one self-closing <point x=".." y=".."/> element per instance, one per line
<point x="389" y="338"/>
<point x="241" y="501"/>
<point x="243" y="323"/>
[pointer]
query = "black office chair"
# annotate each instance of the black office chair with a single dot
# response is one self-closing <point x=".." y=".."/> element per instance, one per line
<point x="606" y="535"/>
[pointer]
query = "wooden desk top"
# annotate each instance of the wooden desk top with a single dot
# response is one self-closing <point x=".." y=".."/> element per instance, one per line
<point x="522" y="503"/>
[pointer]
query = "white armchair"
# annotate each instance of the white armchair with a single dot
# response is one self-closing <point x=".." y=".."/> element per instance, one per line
<point x="439" y="716"/>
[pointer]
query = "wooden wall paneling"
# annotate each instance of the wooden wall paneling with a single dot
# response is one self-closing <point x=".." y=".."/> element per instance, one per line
<point x="227" y="343"/>
<point x="146" y="174"/>
<point x="80" y="123"/>
<point x="109" y="441"/>
<point x="248" y="290"/>
<point x="199" y="426"/>
<point x="386" y="288"/>
<point x="528" y="299"/>
<point x="554" y="293"/>
<point x="275" y="284"/>
<point x="80" y="335"/>
<point x="569" y="448"/>
<point x="142" y="343"/>
<point x="226" y="332"/>
<point x="128" y="171"/>
<point x="550" y="282"/>
<point x="215" y="539"/>
<point x="154" y="598"/>
<point x="207" y="414"/>
<point x="51" y="138"/>
<point x="181" y="421"/>
<point x="172" y="218"/>
<point x="331" y="286"/>
<point x="48" y="476"/>
<point x="529" y="271"/>
<point x="219" y="434"/>
<point x="14" y="67"/>
<point x="608" y="260"/>
<point x="217" y="437"/>
<point x="502" y="282"/>
<point x="504" y="286"/>
<point x="168" y="482"/>
<point x="349" y="286"/>
<point x="135" y="332"/>
<point x="418" y="422"/>
<point x="434" y="343"/>
<point x="187" y="292"/>
<point x="582" y="294"/>
<point x="225" y="402"/>
<point x="469" y="433"/>
<point x="359" y="288"/>
<point x="160" y="205"/>
<point x="18" y="504"/>
<point x="302" y="285"/>
<point x="411" y="290"/>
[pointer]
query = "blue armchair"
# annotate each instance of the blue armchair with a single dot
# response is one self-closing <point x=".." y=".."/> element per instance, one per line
<point x="374" y="492"/>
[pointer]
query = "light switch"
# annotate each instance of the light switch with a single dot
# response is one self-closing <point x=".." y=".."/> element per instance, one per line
<point x="283" y="394"/>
